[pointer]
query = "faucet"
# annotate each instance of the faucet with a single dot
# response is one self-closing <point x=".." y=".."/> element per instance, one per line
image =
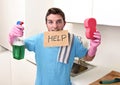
<point x="80" y="61"/>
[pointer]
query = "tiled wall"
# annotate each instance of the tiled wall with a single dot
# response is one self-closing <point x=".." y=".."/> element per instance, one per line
<point x="110" y="43"/>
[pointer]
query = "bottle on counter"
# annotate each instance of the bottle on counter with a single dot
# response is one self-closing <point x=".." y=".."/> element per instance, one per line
<point x="18" y="46"/>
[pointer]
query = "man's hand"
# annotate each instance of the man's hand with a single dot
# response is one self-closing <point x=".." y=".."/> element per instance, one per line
<point x="94" y="43"/>
<point x="97" y="39"/>
<point x="17" y="31"/>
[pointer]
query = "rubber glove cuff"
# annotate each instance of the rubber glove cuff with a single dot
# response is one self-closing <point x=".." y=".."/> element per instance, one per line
<point x="92" y="51"/>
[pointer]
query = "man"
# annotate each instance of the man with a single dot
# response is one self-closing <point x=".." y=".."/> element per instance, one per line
<point x="50" y="71"/>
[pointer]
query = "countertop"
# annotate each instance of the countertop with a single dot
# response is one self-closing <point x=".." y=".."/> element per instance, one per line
<point x="90" y="76"/>
<point x="102" y="67"/>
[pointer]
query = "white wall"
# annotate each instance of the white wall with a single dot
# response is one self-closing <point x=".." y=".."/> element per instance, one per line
<point x="32" y="12"/>
<point x="10" y="12"/>
<point x="35" y="15"/>
<point x="108" y="52"/>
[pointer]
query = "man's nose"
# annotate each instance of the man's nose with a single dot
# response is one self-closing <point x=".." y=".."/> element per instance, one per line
<point x="54" y="25"/>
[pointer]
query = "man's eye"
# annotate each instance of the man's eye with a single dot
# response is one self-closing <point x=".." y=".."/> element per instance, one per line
<point x="50" y="22"/>
<point x="59" y="21"/>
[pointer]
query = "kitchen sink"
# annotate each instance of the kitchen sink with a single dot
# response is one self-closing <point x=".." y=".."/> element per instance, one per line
<point x="80" y="67"/>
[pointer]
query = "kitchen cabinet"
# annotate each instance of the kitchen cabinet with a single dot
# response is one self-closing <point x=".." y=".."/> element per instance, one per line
<point x="5" y="68"/>
<point x="76" y="11"/>
<point x="23" y="72"/>
<point x="107" y="12"/>
<point x="16" y="72"/>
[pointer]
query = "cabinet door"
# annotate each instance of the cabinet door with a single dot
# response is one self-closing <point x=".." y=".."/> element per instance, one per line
<point x="75" y="10"/>
<point x="5" y="68"/>
<point x="107" y="12"/>
<point x="23" y="72"/>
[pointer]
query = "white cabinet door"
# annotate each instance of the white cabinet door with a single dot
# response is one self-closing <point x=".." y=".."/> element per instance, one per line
<point x="107" y="12"/>
<point x="5" y="68"/>
<point x="23" y="72"/>
<point x="16" y="72"/>
<point x="76" y="11"/>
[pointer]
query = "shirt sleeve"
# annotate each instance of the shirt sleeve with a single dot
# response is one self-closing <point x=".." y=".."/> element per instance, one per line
<point x="30" y="43"/>
<point x="80" y="49"/>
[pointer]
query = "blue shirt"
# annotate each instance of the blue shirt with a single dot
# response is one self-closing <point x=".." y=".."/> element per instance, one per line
<point x="49" y="70"/>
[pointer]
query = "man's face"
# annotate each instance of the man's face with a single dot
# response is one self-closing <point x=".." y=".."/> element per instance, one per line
<point x="55" y="22"/>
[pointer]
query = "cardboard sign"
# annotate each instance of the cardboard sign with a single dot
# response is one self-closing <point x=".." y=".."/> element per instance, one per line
<point x="56" y="38"/>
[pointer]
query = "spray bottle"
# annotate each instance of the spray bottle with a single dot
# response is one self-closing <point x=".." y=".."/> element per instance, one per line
<point x="18" y="46"/>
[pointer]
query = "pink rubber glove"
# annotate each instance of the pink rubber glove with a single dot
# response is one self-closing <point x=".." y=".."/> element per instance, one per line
<point x="17" y="31"/>
<point x="94" y="43"/>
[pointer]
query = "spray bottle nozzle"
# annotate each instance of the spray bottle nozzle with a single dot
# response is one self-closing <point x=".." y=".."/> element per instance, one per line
<point x="20" y="22"/>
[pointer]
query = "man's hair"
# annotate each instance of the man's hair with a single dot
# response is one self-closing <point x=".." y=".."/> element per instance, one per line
<point x="55" y="11"/>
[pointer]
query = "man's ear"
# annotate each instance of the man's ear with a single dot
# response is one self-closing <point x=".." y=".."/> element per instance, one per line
<point x="64" y="23"/>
